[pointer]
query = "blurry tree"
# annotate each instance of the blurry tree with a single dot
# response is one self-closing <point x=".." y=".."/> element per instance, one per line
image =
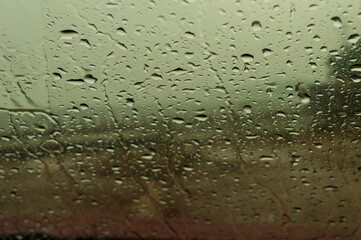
<point x="335" y="105"/>
<point x="346" y="65"/>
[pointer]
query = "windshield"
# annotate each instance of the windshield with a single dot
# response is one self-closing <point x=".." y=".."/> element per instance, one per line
<point x="182" y="119"/>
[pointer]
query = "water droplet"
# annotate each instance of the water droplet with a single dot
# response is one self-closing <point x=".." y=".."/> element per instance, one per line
<point x="190" y="35"/>
<point x="266" y="52"/>
<point x="356" y="68"/>
<point x="305" y="100"/>
<point x="147" y="157"/>
<point x="89" y="79"/>
<point x="85" y="43"/>
<point x="331" y="188"/>
<point x="201" y="117"/>
<point x="318" y="145"/>
<point x="281" y="114"/>
<point x="156" y="76"/>
<point x="256" y="26"/>
<point x="118" y="181"/>
<point x="68" y="34"/>
<point x="297" y="210"/>
<point x="187" y="168"/>
<point x="266" y="158"/>
<point x="77" y="82"/>
<point x="313" y="7"/>
<point x="121" y="31"/>
<point x="247" y="109"/>
<point x="353" y="38"/>
<point x="247" y="57"/>
<point x="178" y="120"/>
<point x="130" y="102"/>
<point x="336" y="21"/>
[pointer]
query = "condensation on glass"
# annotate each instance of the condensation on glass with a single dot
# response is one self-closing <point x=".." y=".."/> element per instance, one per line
<point x="184" y="119"/>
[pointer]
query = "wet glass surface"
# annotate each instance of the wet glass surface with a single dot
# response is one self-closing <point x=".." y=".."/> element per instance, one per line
<point x="184" y="119"/>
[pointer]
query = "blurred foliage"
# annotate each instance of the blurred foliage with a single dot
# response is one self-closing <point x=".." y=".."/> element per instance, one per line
<point x="347" y="59"/>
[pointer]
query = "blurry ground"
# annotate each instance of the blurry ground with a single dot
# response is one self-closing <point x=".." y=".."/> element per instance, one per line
<point x="306" y="189"/>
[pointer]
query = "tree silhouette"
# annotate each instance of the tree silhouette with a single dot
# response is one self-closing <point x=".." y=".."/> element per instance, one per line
<point x="346" y="66"/>
<point x="335" y="104"/>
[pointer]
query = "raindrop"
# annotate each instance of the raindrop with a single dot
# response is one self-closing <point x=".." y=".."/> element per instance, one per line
<point x="313" y="7"/>
<point x="57" y="76"/>
<point x="281" y="114"/>
<point x="305" y="100"/>
<point x="318" y="145"/>
<point x="178" y="120"/>
<point x="356" y="68"/>
<point x="336" y="21"/>
<point x="247" y="57"/>
<point x="266" y="52"/>
<point x="266" y="158"/>
<point x="201" y="117"/>
<point x="84" y="106"/>
<point x="118" y="181"/>
<point x="130" y="102"/>
<point x="147" y="157"/>
<point x="331" y="188"/>
<point x="353" y="38"/>
<point x="190" y="35"/>
<point x="187" y="168"/>
<point x="89" y="79"/>
<point x="76" y="82"/>
<point x="297" y="210"/>
<point x="156" y="76"/>
<point x="256" y="26"/>
<point x="85" y="43"/>
<point x="247" y="109"/>
<point x="68" y="34"/>
<point x="121" y="31"/>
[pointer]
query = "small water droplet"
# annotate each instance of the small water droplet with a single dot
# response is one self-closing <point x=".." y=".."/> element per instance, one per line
<point x="247" y="57"/>
<point x="353" y="38"/>
<point x="178" y="120"/>
<point x="266" y="52"/>
<point x="305" y="100"/>
<point x="201" y="117"/>
<point x="190" y="35"/>
<point x="156" y="76"/>
<point x="130" y="102"/>
<point x="266" y="158"/>
<point x="121" y="31"/>
<point x="313" y="7"/>
<point x="256" y="26"/>
<point x="331" y="188"/>
<point x="281" y="114"/>
<point x="187" y="168"/>
<point x="89" y="79"/>
<point x="147" y="157"/>
<point x="336" y="21"/>
<point x="68" y="34"/>
<point x="247" y="109"/>
<point x="77" y="82"/>
<point x="118" y="181"/>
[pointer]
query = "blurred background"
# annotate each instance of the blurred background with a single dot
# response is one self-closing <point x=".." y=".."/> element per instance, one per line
<point x="183" y="119"/>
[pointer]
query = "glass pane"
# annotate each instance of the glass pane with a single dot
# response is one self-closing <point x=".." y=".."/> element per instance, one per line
<point x="184" y="119"/>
